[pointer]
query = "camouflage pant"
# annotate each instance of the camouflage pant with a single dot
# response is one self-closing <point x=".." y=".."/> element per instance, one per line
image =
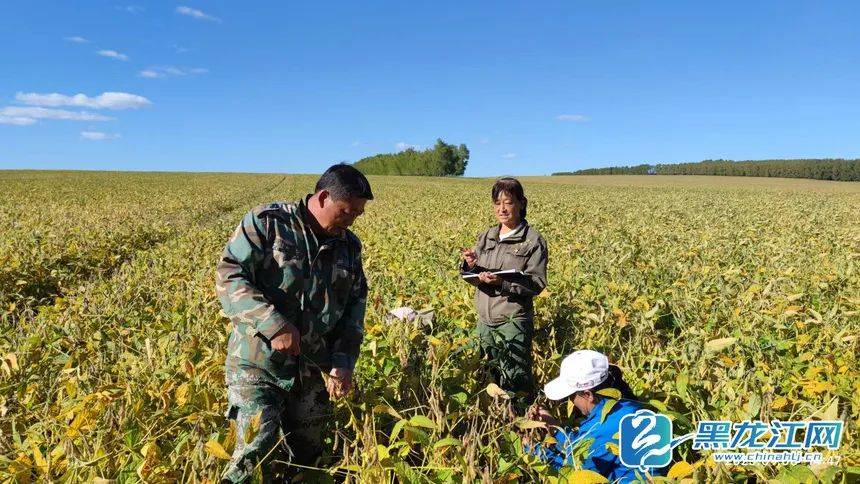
<point x="508" y="347"/>
<point x="291" y="426"/>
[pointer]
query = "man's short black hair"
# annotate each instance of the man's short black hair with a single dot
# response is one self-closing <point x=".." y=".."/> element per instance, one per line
<point x="344" y="181"/>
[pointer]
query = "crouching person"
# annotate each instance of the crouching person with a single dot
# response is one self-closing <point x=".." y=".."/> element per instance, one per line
<point x="292" y="283"/>
<point x="583" y="375"/>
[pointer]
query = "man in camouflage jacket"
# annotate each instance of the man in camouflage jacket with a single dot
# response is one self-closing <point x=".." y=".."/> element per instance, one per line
<point x="292" y="283"/>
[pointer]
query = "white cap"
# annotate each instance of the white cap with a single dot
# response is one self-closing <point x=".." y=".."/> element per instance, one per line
<point x="580" y="370"/>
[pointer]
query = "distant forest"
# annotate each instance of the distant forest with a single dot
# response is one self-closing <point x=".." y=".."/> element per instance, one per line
<point x="819" y="169"/>
<point x="440" y="160"/>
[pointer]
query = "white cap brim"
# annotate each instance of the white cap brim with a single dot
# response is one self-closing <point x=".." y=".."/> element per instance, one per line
<point x="558" y="389"/>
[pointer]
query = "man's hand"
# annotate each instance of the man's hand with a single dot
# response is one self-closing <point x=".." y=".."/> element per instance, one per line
<point x="287" y="340"/>
<point x="339" y="382"/>
<point x="469" y="256"/>
<point x="490" y="278"/>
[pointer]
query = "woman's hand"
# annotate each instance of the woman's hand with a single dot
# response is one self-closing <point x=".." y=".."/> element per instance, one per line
<point x="490" y="278"/>
<point x="469" y="256"/>
<point x="540" y="414"/>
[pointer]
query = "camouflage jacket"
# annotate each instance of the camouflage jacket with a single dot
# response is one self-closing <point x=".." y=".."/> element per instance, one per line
<point x="275" y="271"/>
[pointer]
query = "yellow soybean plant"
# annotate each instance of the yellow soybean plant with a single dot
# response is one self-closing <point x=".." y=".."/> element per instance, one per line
<point x="720" y="298"/>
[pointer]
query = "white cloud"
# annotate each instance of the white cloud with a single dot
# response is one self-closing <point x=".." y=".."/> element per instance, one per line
<point x="105" y="100"/>
<point x="77" y="40"/>
<point x="180" y="50"/>
<point x="99" y="136"/>
<point x="29" y="112"/>
<point x="198" y="14"/>
<point x="112" y="54"/>
<point x="402" y="146"/>
<point x="509" y="156"/>
<point x="165" y="71"/>
<point x="577" y="118"/>
<point x="173" y="71"/>
<point x="42" y="106"/>
<point x="484" y="141"/>
<point x="17" y="120"/>
<point x="133" y="9"/>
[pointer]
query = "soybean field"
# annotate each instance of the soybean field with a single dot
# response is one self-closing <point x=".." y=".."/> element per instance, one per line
<point x="720" y="298"/>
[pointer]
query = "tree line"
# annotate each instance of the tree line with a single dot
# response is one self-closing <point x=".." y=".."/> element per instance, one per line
<point x="819" y="169"/>
<point x="440" y="160"/>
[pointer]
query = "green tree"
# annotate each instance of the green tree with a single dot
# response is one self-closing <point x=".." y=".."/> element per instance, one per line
<point x="821" y="169"/>
<point x="441" y="160"/>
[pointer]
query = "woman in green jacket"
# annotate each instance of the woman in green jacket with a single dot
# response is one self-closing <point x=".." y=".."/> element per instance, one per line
<point x="504" y="301"/>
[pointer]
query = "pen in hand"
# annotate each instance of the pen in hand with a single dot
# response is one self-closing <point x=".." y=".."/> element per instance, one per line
<point x="469" y="256"/>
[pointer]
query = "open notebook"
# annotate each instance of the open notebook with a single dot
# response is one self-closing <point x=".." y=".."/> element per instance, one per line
<point x="507" y="272"/>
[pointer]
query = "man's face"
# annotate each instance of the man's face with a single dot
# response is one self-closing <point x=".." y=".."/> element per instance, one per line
<point x="338" y="215"/>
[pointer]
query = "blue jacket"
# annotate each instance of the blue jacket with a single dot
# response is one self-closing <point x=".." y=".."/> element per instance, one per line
<point x="600" y="458"/>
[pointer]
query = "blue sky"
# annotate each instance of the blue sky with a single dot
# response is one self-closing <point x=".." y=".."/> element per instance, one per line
<point x="530" y="87"/>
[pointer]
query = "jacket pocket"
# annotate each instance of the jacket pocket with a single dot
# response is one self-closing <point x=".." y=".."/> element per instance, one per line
<point x="516" y="260"/>
<point x="291" y="264"/>
<point x="342" y="277"/>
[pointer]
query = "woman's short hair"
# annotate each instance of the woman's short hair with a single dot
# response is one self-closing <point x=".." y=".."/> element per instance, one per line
<point x="513" y="188"/>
